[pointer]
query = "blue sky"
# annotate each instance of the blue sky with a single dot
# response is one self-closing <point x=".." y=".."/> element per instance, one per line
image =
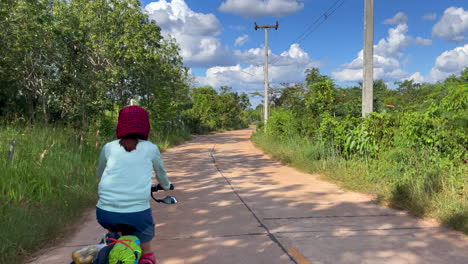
<point x="425" y="40"/>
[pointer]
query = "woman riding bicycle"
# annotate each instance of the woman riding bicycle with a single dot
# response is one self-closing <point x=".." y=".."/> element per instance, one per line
<point x="125" y="170"/>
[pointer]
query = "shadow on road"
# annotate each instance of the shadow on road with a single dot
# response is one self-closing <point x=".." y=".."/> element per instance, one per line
<point x="323" y="222"/>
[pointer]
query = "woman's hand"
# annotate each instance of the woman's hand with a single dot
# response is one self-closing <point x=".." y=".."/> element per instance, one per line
<point x="159" y="187"/>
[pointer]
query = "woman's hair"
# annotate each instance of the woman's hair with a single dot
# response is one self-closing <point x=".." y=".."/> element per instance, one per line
<point x="130" y="141"/>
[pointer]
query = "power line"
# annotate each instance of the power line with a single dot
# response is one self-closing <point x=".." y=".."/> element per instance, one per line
<point x="247" y="72"/>
<point x="324" y="15"/>
<point x="311" y="28"/>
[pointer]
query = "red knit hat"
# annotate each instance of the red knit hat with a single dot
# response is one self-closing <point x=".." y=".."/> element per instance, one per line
<point x="133" y="119"/>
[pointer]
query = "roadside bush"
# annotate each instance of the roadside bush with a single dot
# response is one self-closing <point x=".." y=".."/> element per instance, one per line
<point x="282" y="124"/>
<point x="413" y="157"/>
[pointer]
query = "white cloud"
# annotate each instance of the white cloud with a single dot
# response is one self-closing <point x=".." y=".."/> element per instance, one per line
<point x="348" y="75"/>
<point x="453" y="26"/>
<point x="259" y="8"/>
<point x="255" y="56"/>
<point x="194" y="32"/>
<point x="251" y="56"/>
<point x="429" y="16"/>
<point x="398" y="18"/>
<point x="453" y="60"/>
<point x="289" y="67"/>
<point x="397" y="40"/>
<point x="387" y="55"/>
<point x="450" y="62"/>
<point x="241" y="40"/>
<point x="234" y="76"/>
<point x="295" y="52"/>
<point x="197" y="35"/>
<point x="416" y="77"/>
<point x="422" y="41"/>
<point x="355" y="75"/>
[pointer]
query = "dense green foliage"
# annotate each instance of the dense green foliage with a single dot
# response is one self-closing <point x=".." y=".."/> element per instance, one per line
<point x="66" y="68"/>
<point x="411" y="152"/>
<point x="217" y="111"/>
<point x="71" y="61"/>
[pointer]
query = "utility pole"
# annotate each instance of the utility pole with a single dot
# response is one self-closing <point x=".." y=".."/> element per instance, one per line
<point x="265" y="69"/>
<point x="368" y="78"/>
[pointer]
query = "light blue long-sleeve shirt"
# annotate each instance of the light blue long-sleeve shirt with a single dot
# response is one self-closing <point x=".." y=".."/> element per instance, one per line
<point x="125" y="177"/>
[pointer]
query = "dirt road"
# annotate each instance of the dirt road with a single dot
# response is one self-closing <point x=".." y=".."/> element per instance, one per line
<point x="239" y="206"/>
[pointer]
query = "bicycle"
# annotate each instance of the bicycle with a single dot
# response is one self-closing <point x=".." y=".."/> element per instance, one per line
<point x="96" y="254"/>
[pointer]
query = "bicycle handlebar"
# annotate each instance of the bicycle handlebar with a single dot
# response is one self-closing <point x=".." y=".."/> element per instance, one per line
<point x="168" y="199"/>
<point x="156" y="188"/>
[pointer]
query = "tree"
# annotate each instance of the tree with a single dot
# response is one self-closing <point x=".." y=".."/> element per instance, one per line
<point x="213" y="111"/>
<point x="225" y="89"/>
<point x="319" y="97"/>
<point x="73" y="59"/>
<point x="313" y="76"/>
<point x="290" y="96"/>
<point x="28" y="52"/>
<point x="244" y="101"/>
<point x="380" y="93"/>
<point x="348" y="102"/>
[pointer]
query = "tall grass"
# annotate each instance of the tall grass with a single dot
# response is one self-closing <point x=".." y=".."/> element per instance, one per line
<point x="49" y="182"/>
<point x="402" y="179"/>
<point x="167" y="138"/>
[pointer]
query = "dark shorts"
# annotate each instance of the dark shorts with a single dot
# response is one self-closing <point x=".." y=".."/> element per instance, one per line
<point x="142" y="222"/>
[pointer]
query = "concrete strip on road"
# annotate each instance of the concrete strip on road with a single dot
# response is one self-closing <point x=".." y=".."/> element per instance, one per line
<point x="325" y="223"/>
<point x="248" y="208"/>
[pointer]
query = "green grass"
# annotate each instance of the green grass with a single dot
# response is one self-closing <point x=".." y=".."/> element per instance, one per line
<point x="39" y="198"/>
<point x="170" y="138"/>
<point x="405" y="179"/>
